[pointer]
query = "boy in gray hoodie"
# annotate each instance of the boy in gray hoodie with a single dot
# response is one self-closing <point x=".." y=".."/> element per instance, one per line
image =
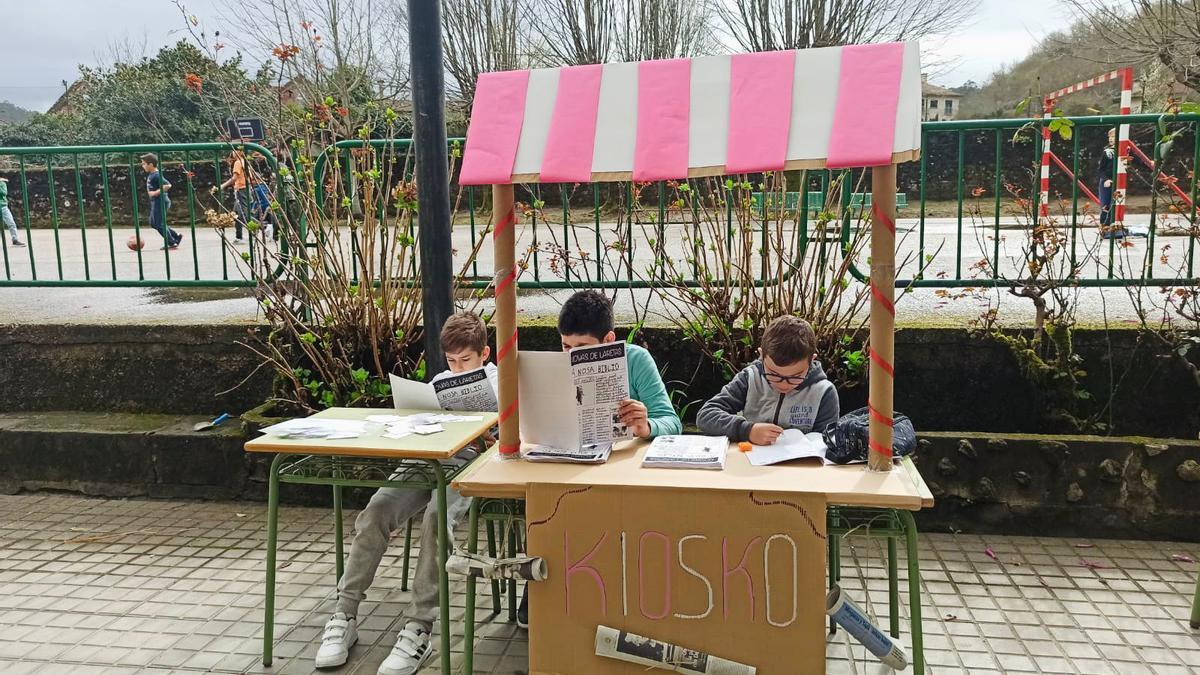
<point x="785" y="388"/>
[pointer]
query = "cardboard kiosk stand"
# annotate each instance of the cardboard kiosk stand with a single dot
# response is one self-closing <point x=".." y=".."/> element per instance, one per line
<point x="831" y="108"/>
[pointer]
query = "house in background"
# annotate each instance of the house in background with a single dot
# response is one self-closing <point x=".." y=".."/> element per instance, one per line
<point x="938" y="103"/>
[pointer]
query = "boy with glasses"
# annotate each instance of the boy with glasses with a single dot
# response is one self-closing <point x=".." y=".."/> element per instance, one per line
<point x="785" y="388"/>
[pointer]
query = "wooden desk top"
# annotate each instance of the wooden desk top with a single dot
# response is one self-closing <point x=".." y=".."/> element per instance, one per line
<point x="853" y="485"/>
<point x="442" y="445"/>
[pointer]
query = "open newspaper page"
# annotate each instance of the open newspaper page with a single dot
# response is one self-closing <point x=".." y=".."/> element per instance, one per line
<point x="687" y="452"/>
<point x="618" y="644"/>
<point x="471" y="391"/>
<point x="601" y="377"/>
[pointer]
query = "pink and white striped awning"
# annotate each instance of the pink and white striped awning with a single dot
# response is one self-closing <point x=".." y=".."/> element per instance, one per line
<point x="834" y="107"/>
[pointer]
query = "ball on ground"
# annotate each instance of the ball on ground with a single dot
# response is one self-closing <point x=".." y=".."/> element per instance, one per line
<point x="134" y="243"/>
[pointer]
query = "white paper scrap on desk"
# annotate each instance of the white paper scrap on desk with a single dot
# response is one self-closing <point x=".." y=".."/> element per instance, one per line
<point x="309" y="427"/>
<point x="384" y="419"/>
<point x="687" y="452"/>
<point x="427" y="429"/>
<point x="791" y="444"/>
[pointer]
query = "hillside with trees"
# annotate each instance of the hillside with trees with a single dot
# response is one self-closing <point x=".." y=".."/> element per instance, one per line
<point x="12" y="113"/>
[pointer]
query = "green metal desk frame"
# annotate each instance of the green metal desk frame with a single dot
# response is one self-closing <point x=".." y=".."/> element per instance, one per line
<point x="1195" y="622"/>
<point x="344" y="472"/>
<point x="892" y="524"/>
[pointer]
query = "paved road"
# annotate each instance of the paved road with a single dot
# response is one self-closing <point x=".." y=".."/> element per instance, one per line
<point x="950" y="252"/>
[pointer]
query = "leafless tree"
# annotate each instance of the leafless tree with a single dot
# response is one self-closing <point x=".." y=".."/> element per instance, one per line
<point x="766" y="25"/>
<point x="360" y="45"/>
<point x="1148" y="31"/>
<point x="479" y="36"/>
<point x="663" y="29"/>
<point x="575" y="32"/>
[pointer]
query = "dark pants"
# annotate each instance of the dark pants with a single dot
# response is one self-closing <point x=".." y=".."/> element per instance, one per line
<point x="241" y="209"/>
<point x="158" y="220"/>
<point x="1106" y="202"/>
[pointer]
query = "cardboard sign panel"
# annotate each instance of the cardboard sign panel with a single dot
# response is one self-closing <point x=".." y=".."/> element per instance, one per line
<point x="736" y="574"/>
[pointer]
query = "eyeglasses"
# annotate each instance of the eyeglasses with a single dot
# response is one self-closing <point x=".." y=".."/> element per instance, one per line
<point x="786" y="379"/>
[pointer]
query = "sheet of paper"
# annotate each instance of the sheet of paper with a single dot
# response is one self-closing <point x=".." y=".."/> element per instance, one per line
<point x="687" y="452"/>
<point x="412" y="394"/>
<point x="309" y="427"/>
<point x="600" y="376"/>
<point x="791" y="444"/>
<point x="548" y="408"/>
<point x="469" y="391"/>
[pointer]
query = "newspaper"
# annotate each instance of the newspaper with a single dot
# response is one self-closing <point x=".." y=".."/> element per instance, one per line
<point x="469" y="391"/>
<point x="586" y="454"/>
<point x="644" y="651"/>
<point x="570" y="402"/>
<point x="687" y="452"/>
<point x="524" y="567"/>
<point x="791" y="444"/>
<point x="600" y="374"/>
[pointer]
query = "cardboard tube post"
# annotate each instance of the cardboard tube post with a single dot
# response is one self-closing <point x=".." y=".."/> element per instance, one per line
<point x="851" y="617"/>
<point x="504" y="221"/>
<point x="883" y="315"/>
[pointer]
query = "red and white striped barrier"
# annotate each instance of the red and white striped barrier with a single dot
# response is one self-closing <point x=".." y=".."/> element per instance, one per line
<point x="1125" y="75"/>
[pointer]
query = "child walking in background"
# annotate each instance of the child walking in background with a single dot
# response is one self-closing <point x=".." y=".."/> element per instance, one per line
<point x="7" y="215"/>
<point x="157" y="187"/>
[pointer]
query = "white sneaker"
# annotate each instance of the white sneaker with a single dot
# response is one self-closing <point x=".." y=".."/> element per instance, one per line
<point x="340" y="635"/>
<point x="412" y="651"/>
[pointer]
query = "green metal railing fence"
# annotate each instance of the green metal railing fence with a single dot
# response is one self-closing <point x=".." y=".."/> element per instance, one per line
<point x="142" y="265"/>
<point x="987" y="168"/>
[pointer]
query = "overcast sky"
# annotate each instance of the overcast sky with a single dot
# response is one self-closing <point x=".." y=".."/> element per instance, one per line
<point x="45" y="40"/>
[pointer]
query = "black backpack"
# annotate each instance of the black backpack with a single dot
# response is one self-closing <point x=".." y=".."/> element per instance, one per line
<point x="846" y="439"/>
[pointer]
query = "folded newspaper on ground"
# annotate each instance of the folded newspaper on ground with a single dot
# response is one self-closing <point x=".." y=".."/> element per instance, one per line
<point x="588" y="454"/>
<point x="481" y="566"/>
<point x="570" y="402"/>
<point x="850" y="616"/>
<point x="791" y="444"/>
<point x="687" y="452"/>
<point x="469" y="391"/>
<point x="644" y="651"/>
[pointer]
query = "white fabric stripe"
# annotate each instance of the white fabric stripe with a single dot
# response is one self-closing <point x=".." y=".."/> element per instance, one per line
<point x="908" y="108"/>
<point x="814" y="101"/>
<point x="616" y="119"/>
<point x="708" y="132"/>
<point x="539" y="108"/>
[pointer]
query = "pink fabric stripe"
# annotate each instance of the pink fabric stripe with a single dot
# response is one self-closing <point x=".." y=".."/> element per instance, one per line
<point x="864" y="124"/>
<point x="495" y="129"/>
<point x="664" y="110"/>
<point x="760" y="111"/>
<point x="572" y="136"/>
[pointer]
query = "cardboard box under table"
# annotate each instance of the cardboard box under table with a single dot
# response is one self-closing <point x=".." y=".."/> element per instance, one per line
<point x="727" y="562"/>
<point x="371" y="460"/>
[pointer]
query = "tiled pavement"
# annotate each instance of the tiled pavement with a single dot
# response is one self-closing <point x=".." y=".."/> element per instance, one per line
<point x="115" y="586"/>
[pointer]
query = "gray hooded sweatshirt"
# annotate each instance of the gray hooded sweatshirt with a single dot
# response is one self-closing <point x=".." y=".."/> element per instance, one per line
<point x="810" y="407"/>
